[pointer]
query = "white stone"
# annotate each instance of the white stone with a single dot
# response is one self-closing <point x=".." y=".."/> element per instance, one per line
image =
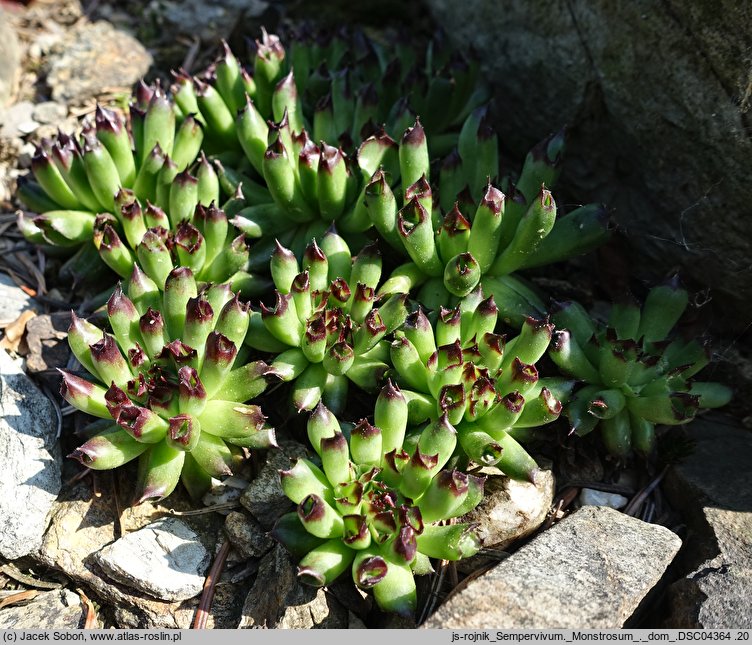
<point x="13" y="301"/>
<point x="165" y="559"/>
<point x="30" y="458"/>
<point x="591" y="497"/>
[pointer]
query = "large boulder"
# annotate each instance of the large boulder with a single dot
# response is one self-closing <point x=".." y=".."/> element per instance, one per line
<point x="657" y="98"/>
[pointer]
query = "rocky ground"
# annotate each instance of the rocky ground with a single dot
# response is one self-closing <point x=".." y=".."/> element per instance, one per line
<point x="590" y="545"/>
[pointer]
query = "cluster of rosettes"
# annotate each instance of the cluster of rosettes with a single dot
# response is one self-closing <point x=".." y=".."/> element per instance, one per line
<point x="374" y="503"/>
<point x="167" y="390"/>
<point x="635" y="372"/>
<point x="485" y="386"/>
<point x="344" y="85"/>
<point x="324" y="325"/>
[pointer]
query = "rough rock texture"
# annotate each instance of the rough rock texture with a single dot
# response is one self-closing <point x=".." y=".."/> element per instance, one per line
<point x="278" y="601"/>
<point x="13" y="301"/>
<point x="30" y="458"/>
<point x="81" y="524"/>
<point x="667" y="148"/>
<point x="247" y="536"/>
<point x="264" y="497"/>
<point x="59" y="609"/>
<point x="590" y="571"/>
<point x="10" y="56"/>
<point x="210" y="20"/>
<point x="94" y="58"/>
<point x="164" y="559"/>
<point x="511" y="509"/>
<point x="713" y="489"/>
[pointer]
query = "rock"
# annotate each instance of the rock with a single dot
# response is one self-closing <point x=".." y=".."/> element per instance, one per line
<point x="209" y="20"/>
<point x="590" y="497"/>
<point x="511" y="509"/>
<point x="93" y="58"/>
<point x="16" y="121"/>
<point x="49" y="112"/>
<point x="164" y="559"/>
<point x="247" y="536"/>
<point x="713" y="490"/>
<point x="667" y="153"/>
<point x="13" y="300"/>
<point x="278" y="601"/>
<point x="30" y="458"/>
<point x="264" y="497"/>
<point x="590" y="571"/>
<point x="46" y="338"/>
<point x="82" y="524"/>
<point x="59" y="609"/>
<point x="11" y="57"/>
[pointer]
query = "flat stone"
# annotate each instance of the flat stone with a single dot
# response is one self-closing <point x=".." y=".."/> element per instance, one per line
<point x="511" y="509"/>
<point x="247" y="536"/>
<point x="30" y="458"/>
<point x="591" y="497"/>
<point x="93" y="58"/>
<point x="712" y="488"/>
<point x="46" y="336"/>
<point x="278" y="601"/>
<point x="13" y="300"/>
<point x="589" y="571"/>
<point x="264" y="497"/>
<point x="164" y="559"/>
<point x="59" y="609"/>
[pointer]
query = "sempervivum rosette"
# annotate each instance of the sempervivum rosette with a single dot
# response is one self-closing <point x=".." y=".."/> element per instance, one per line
<point x="636" y="373"/>
<point x="376" y="502"/>
<point x="324" y="325"/>
<point x="166" y="381"/>
<point x="486" y="386"/>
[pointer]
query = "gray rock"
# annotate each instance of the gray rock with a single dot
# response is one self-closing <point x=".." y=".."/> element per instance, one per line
<point x="83" y="523"/>
<point x="247" y="536"/>
<point x="17" y="120"/>
<point x="591" y="497"/>
<point x="264" y="497"/>
<point x="713" y="489"/>
<point x="60" y="609"/>
<point x="590" y="571"/>
<point x="209" y="20"/>
<point x="30" y="458"/>
<point x="278" y="601"/>
<point x="93" y="58"/>
<point x="511" y="509"/>
<point x="13" y="301"/>
<point x="668" y="152"/>
<point x="46" y="336"/>
<point x="164" y="559"/>
<point x="49" y="112"/>
<point x="10" y="55"/>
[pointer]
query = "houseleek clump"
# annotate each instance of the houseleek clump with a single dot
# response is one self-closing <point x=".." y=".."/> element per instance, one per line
<point x="376" y="501"/>
<point x="488" y="388"/>
<point x="636" y="373"/>
<point x="341" y="88"/>
<point x="454" y="252"/>
<point x="165" y="386"/>
<point x="75" y="179"/>
<point x="324" y="326"/>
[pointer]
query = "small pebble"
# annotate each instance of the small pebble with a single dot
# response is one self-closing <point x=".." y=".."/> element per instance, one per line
<point x="590" y="497"/>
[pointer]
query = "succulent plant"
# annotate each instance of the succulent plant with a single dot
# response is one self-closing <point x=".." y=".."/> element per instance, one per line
<point x="339" y="87"/>
<point x="635" y="372"/>
<point x="324" y="326"/>
<point x="377" y="503"/>
<point x="454" y="252"/>
<point x="165" y="386"/>
<point x="487" y="387"/>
